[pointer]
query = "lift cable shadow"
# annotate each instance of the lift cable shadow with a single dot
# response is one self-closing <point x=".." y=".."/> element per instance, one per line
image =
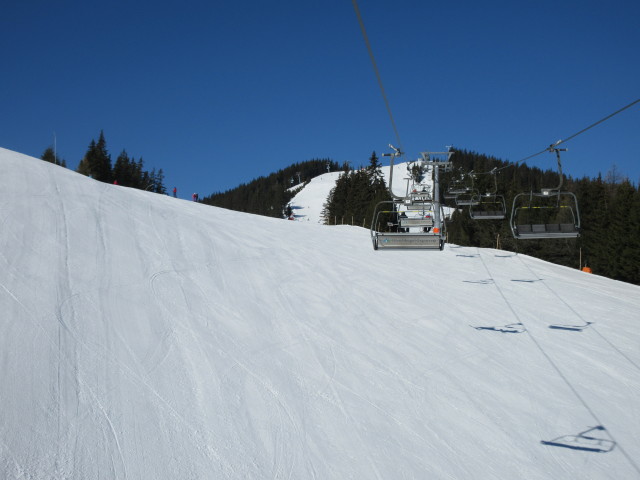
<point x="586" y="324"/>
<point x="557" y="369"/>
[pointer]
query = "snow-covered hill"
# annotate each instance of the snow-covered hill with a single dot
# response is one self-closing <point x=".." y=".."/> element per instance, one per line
<point x="144" y="337"/>
<point x="308" y="203"/>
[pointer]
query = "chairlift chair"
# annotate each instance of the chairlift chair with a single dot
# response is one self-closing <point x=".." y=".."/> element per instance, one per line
<point x="545" y="215"/>
<point x="410" y="232"/>
<point x="424" y="228"/>
<point x="550" y="213"/>
<point x="489" y="206"/>
<point x="468" y="195"/>
<point x="457" y="187"/>
<point x="467" y="199"/>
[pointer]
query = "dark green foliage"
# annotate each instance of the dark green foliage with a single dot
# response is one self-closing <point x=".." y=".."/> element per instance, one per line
<point x="50" y="156"/>
<point x="270" y="195"/>
<point x="355" y="195"/>
<point x="97" y="161"/>
<point x="126" y="171"/>
<point x="609" y="209"/>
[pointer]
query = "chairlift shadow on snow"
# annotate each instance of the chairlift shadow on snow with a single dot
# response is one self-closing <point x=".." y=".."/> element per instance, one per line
<point x="487" y="281"/>
<point x="584" y="441"/>
<point x="570" y="328"/>
<point x="509" y="328"/>
<point x="522" y="280"/>
<point x="472" y="255"/>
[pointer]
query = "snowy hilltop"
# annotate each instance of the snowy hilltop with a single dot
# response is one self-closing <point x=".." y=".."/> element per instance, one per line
<point x="307" y="204"/>
<point x="146" y="337"/>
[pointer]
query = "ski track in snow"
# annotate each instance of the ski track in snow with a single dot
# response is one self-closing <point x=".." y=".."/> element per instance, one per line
<point x="148" y="337"/>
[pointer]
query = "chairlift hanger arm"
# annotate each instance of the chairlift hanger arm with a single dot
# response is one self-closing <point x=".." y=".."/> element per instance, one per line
<point x="553" y="148"/>
<point x="396" y="153"/>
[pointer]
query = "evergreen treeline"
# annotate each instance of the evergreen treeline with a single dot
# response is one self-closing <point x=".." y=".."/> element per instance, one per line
<point x="270" y="195"/>
<point x="50" y="156"/>
<point x="609" y="208"/>
<point x="356" y="194"/>
<point x="126" y="171"/>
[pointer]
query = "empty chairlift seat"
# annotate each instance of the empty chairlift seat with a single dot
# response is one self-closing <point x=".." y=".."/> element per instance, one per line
<point x="546" y="230"/>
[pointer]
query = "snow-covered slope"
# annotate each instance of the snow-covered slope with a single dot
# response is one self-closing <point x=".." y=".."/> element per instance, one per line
<point x="144" y="337"/>
<point x="308" y="203"/>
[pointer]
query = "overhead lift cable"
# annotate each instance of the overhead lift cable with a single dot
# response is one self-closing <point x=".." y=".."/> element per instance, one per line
<point x="551" y="147"/>
<point x="375" y="69"/>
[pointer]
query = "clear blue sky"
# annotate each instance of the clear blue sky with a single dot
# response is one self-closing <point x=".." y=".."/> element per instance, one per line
<point x="218" y="93"/>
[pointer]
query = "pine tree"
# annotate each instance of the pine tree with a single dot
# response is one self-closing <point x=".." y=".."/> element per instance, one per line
<point x="375" y="168"/>
<point x="102" y="161"/>
<point x="96" y="163"/>
<point x="123" y="170"/>
<point x="50" y="156"/>
<point x="85" y="166"/>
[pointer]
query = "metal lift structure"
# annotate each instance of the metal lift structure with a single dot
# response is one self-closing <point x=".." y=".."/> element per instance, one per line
<point x="416" y="220"/>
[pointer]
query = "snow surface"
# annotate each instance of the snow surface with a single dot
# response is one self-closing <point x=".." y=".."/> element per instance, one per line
<point x="145" y="337"/>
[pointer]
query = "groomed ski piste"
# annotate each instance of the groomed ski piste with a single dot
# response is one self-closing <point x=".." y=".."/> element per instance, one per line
<point x="145" y="337"/>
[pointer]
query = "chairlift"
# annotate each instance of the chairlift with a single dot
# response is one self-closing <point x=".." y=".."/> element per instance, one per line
<point x="458" y="187"/>
<point x="550" y="213"/>
<point x="466" y="195"/>
<point x="489" y="206"/>
<point x="467" y="199"/>
<point x="403" y="231"/>
<point x="415" y="221"/>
